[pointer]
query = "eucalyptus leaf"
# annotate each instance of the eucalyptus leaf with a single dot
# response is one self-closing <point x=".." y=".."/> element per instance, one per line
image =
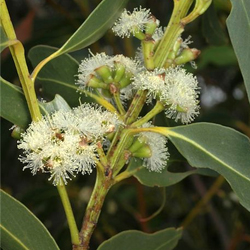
<point x="222" y="149"/>
<point x="211" y="27"/>
<point x="136" y="240"/>
<point x="14" y="107"/>
<point x="58" y="103"/>
<point x="57" y="76"/>
<point x="95" y="26"/>
<point x="20" y="229"/>
<point x="218" y="56"/>
<point x="238" y="24"/>
<point x="165" y="178"/>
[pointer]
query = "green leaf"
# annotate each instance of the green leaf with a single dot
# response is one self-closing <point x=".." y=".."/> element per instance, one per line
<point x="98" y="22"/>
<point x="218" y="56"/>
<point x="94" y="27"/>
<point x="164" y="179"/>
<point x="58" y="103"/>
<point x="20" y="229"/>
<point x="211" y="27"/>
<point x="238" y="24"/>
<point x="58" y="76"/>
<point x="135" y="240"/>
<point x="14" y="107"/>
<point x="222" y="149"/>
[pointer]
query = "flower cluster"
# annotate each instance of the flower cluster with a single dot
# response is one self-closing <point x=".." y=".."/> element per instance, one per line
<point x="175" y="88"/>
<point x="65" y="142"/>
<point x="159" y="151"/>
<point x="133" y="23"/>
<point x="99" y="70"/>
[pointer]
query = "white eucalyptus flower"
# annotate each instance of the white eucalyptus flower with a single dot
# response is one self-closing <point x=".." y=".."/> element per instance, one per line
<point x="64" y="143"/>
<point x="88" y="67"/>
<point x="131" y="23"/>
<point x="159" y="151"/>
<point x="181" y="95"/>
<point x="175" y="88"/>
<point x="152" y="81"/>
<point x="158" y="34"/>
<point x="131" y="66"/>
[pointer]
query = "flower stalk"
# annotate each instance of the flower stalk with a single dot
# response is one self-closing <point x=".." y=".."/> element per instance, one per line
<point x="104" y="181"/>
<point x="69" y="214"/>
<point x="173" y="31"/>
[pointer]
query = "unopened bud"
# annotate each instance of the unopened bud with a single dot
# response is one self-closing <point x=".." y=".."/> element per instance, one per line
<point x="94" y="82"/>
<point x="143" y="152"/>
<point x="187" y="55"/>
<point x="105" y="73"/>
<point x="151" y="26"/>
<point x="119" y="72"/>
<point x="16" y="132"/>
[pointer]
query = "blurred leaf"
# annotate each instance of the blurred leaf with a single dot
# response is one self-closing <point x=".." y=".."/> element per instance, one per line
<point x="58" y="103"/>
<point x="165" y="178"/>
<point x="21" y="229"/>
<point x="218" y="56"/>
<point x="14" y="107"/>
<point x="211" y="28"/>
<point x="238" y="24"/>
<point x="135" y="240"/>
<point x="57" y="76"/>
<point x="222" y="149"/>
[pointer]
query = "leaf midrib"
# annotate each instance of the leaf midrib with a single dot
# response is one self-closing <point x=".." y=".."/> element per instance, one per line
<point x="14" y="237"/>
<point x="63" y="49"/>
<point x="205" y="151"/>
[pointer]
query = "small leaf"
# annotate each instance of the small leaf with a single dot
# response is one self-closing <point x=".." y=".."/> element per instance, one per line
<point x="20" y="229"/>
<point x="222" y="149"/>
<point x="58" y="103"/>
<point x="211" y="28"/>
<point x="14" y="107"/>
<point x="135" y="240"/>
<point x="238" y="24"/>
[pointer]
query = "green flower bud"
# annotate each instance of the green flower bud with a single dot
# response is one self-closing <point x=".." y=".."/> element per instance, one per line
<point x="105" y="73"/>
<point x="143" y="152"/>
<point x="16" y="132"/>
<point x="119" y="72"/>
<point x="151" y="26"/>
<point x="187" y="55"/>
<point x="94" y="82"/>
<point x="137" y="144"/>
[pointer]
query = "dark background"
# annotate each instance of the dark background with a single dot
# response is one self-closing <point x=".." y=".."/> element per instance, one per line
<point x="223" y="224"/>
